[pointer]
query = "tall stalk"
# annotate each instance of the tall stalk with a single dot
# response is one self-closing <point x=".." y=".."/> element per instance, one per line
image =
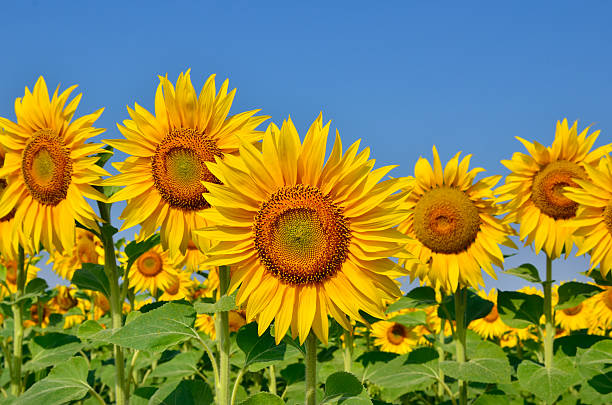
<point x="112" y="273"/>
<point x="549" y="336"/>
<point x="348" y="350"/>
<point x="272" y="385"/>
<point x="460" y="344"/>
<point x="222" y="331"/>
<point x="18" y="325"/>
<point x="311" y="370"/>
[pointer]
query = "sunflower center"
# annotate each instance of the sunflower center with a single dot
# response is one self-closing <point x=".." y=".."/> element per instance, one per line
<point x="301" y="236"/>
<point x="493" y="315"/>
<point x="396" y="333"/>
<point x="149" y="264"/>
<point x="66" y="301"/>
<point x="548" y="186"/>
<point x="47" y="167"/>
<point x="607" y="217"/>
<point x="607" y="298"/>
<point x="173" y="287"/>
<point x="179" y="168"/>
<point x="446" y="220"/>
<point x="573" y="310"/>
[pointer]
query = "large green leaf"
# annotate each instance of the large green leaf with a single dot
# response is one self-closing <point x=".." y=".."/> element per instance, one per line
<point x="487" y="364"/>
<point x="65" y="383"/>
<point x="182" y="365"/>
<point x="263" y="398"/>
<point x="92" y="277"/>
<point x="159" y="329"/>
<point x="495" y="397"/>
<point x="595" y="360"/>
<point x="93" y="331"/>
<point x="526" y="271"/>
<point x="35" y="288"/>
<point x="51" y="349"/>
<point x="258" y="349"/>
<point x="341" y="385"/>
<point x="419" y="297"/>
<point x="547" y="384"/>
<point x="477" y="307"/>
<point x="519" y="310"/>
<point x="225" y="303"/>
<point x="572" y="293"/>
<point x="185" y="392"/>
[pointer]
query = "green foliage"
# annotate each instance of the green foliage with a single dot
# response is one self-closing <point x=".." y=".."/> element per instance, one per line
<point x="258" y="349"/>
<point x="341" y="385"/>
<point x="181" y="366"/>
<point x="477" y="307"/>
<point x="573" y="293"/>
<point x="92" y="277"/>
<point x="526" y="271"/>
<point x="185" y="392"/>
<point x="419" y="297"/>
<point x="51" y="349"/>
<point x="263" y="398"/>
<point x="487" y="364"/>
<point x="548" y="384"/>
<point x="519" y="310"/>
<point x="225" y="304"/>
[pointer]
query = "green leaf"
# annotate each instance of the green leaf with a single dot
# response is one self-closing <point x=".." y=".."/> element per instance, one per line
<point x="263" y="398"/>
<point x="419" y="297"/>
<point x="495" y="397"/>
<point x="595" y="274"/>
<point x="65" y="383"/>
<point x="293" y="373"/>
<point x="519" y="310"/>
<point x="487" y="364"/>
<point x="526" y="271"/>
<point x="185" y="392"/>
<point x="225" y="304"/>
<point x="158" y="329"/>
<point x="92" y="277"/>
<point x="34" y="288"/>
<point x="134" y="249"/>
<point x="410" y="319"/>
<point x="573" y="293"/>
<point x="594" y="360"/>
<point x="92" y="330"/>
<point x="257" y="348"/>
<point x="51" y="349"/>
<point x="104" y="156"/>
<point x="477" y="307"/>
<point x="342" y="385"/>
<point x="591" y="395"/>
<point x="182" y="365"/>
<point x="547" y="384"/>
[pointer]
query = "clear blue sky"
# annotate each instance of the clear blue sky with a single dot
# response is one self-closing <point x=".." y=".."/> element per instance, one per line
<point x="400" y="75"/>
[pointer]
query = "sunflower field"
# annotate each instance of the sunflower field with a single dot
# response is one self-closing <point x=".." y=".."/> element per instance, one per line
<point x="264" y="268"/>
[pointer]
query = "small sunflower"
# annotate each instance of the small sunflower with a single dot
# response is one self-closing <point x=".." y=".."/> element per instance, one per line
<point x="179" y="286"/>
<point x="453" y="224"/>
<point x="574" y="318"/>
<point x="394" y="337"/>
<point x="39" y="315"/>
<point x="594" y="215"/>
<point x="152" y="270"/>
<point x="535" y="188"/>
<point x="164" y="176"/>
<point x="206" y="323"/>
<point x="11" y="275"/>
<point x="491" y="326"/>
<point x="601" y="307"/>
<point x="49" y="168"/>
<point x="307" y="238"/>
<point x="64" y="301"/>
<point x="508" y="339"/>
<point x="88" y="249"/>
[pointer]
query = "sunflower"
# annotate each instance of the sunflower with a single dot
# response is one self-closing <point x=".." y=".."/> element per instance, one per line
<point x="49" y="168"/>
<point x="453" y="224"/>
<point x="535" y="188"/>
<point x="8" y="243"/>
<point x="88" y="249"/>
<point x="491" y="326"/>
<point x="206" y="323"/>
<point x="394" y="337"/>
<point x="433" y="325"/>
<point x="307" y="239"/>
<point x="601" y="307"/>
<point x="164" y="176"/>
<point x="574" y="318"/>
<point x="11" y="275"/>
<point x="193" y="259"/>
<point x="594" y="215"/>
<point x="508" y="339"/>
<point x="179" y="286"/>
<point x="64" y="301"/>
<point x="152" y="270"/>
<point x="39" y="315"/>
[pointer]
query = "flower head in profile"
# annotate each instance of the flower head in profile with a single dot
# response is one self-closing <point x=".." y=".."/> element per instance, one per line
<point x="534" y="190"/>
<point x="169" y="150"/>
<point x="453" y="224"/>
<point x="49" y="168"/>
<point x="306" y="238"/>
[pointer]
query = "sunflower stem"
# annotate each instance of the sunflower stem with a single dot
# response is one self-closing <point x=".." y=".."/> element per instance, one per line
<point x="348" y="350"/>
<point x="112" y="273"/>
<point x="222" y="330"/>
<point x="311" y="369"/>
<point x="549" y="336"/>
<point x="440" y="349"/>
<point x="272" y="385"/>
<point x="460" y="309"/>
<point x="18" y="325"/>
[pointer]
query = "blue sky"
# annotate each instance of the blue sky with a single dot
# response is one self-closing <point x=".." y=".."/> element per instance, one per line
<point x="401" y="76"/>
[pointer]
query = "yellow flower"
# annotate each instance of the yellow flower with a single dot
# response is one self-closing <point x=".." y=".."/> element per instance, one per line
<point x="508" y="339"/>
<point x="594" y="215"/>
<point x="206" y="323"/>
<point x="307" y="239"/>
<point x="394" y="337"/>
<point x="63" y="302"/>
<point x="490" y="326"/>
<point x="574" y="318"/>
<point x="8" y="242"/>
<point x="11" y="275"/>
<point x="152" y="270"/>
<point x="164" y="175"/>
<point x="39" y="315"/>
<point x="49" y="168"/>
<point x="88" y="249"/>
<point x="193" y="259"/>
<point x="601" y="307"/>
<point x="453" y="224"/>
<point x="535" y="188"/>
<point x="178" y="287"/>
